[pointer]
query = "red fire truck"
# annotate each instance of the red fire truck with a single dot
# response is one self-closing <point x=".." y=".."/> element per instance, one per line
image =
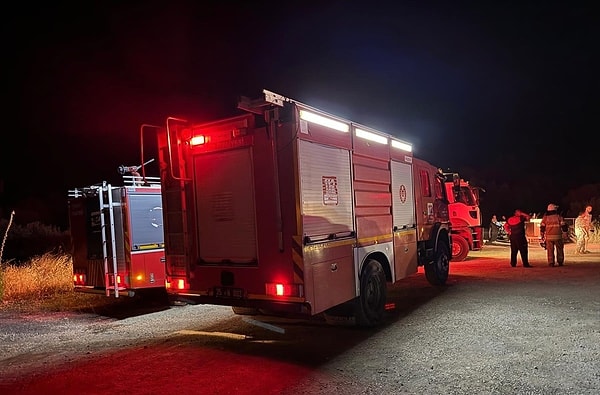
<point x="117" y="236"/>
<point x="465" y="216"/>
<point x="291" y="211"/>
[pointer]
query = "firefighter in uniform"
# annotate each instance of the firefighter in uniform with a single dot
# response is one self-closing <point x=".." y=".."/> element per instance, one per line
<point x="552" y="228"/>
<point x="515" y="227"/>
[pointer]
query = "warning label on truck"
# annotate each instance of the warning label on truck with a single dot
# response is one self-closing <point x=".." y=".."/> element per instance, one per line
<point x="330" y="191"/>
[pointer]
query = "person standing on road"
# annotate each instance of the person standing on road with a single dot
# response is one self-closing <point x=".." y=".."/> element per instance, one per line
<point x="581" y="233"/>
<point x="587" y="216"/>
<point x="515" y="227"/>
<point x="494" y="229"/>
<point x="552" y="227"/>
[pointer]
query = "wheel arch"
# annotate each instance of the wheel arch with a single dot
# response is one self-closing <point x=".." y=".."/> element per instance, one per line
<point x="443" y="235"/>
<point x="465" y="233"/>
<point x="383" y="260"/>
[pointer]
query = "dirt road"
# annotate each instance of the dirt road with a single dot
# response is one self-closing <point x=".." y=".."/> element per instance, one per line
<point x="493" y="329"/>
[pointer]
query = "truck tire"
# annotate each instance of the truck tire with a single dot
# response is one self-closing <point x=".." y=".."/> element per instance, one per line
<point x="460" y="248"/>
<point x="436" y="271"/>
<point x="370" y="305"/>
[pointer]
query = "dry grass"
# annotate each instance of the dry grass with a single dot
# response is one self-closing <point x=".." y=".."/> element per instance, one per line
<point x="45" y="283"/>
<point x="42" y="276"/>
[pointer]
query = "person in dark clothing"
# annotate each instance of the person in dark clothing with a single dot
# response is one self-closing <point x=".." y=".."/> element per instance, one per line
<point x="494" y="229"/>
<point x="552" y="228"/>
<point x="515" y="226"/>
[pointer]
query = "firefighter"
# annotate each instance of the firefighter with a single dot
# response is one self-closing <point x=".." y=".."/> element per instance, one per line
<point x="515" y="227"/>
<point x="552" y="228"/>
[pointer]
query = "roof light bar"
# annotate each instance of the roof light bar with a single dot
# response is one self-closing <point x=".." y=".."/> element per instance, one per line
<point x="400" y="145"/>
<point x="323" y="121"/>
<point x="371" y="136"/>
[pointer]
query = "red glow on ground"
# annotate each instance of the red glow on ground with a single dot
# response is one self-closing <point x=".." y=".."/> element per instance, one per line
<point x="166" y="370"/>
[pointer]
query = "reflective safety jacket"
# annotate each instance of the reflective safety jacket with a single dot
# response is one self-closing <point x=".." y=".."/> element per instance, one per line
<point x="552" y="226"/>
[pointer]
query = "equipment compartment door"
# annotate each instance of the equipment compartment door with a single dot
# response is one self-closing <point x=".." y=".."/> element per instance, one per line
<point x="326" y="194"/>
<point x="404" y="222"/>
<point x="403" y="198"/>
<point x="225" y="206"/>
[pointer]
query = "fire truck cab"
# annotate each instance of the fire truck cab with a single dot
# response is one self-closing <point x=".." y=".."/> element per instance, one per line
<point x="465" y="216"/>
<point x="289" y="210"/>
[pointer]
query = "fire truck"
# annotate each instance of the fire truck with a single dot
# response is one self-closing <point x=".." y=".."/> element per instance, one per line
<point x="117" y="236"/>
<point x="288" y="210"/>
<point x="465" y="216"/>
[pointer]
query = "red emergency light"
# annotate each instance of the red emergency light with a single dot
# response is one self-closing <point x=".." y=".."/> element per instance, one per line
<point x="197" y="140"/>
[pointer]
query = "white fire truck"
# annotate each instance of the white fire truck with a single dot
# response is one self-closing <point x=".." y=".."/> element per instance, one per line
<point x="465" y="216"/>
<point x="117" y="236"/>
<point x="291" y="211"/>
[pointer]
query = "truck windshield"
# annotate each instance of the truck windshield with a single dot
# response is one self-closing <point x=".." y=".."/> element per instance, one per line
<point x="467" y="196"/>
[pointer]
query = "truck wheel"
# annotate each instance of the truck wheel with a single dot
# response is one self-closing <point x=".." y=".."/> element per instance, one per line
<point x="370" y="305"/>
<point x="436" y="271"/>
<point x="460" y="248"/>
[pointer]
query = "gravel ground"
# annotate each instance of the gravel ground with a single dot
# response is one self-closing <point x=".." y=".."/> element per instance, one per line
<point x="492" y="330"/>
<point x="495" y="330"/>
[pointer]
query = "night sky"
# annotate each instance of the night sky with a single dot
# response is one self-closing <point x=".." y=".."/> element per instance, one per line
<point x="505" y="94"/>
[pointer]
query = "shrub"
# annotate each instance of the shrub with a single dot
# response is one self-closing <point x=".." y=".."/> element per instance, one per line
<point x="594" y="236"/>
<point x="24" y="242"/>
<point x="4" y="236"/>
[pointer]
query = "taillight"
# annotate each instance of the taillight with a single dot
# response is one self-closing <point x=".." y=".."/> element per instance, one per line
<point x="79" y="278"/>
<point x="282" y="289"/>
<point x="176" y="284"/>
<point x="118" y="280"/>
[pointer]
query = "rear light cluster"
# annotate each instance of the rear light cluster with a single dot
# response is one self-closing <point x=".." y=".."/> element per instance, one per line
<point x="79" y="278"/>
<point x="281" y="289"/>
<point x="271" y="289"/>
<point x="119" y="278"/>
<point x="177" y="284"/>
